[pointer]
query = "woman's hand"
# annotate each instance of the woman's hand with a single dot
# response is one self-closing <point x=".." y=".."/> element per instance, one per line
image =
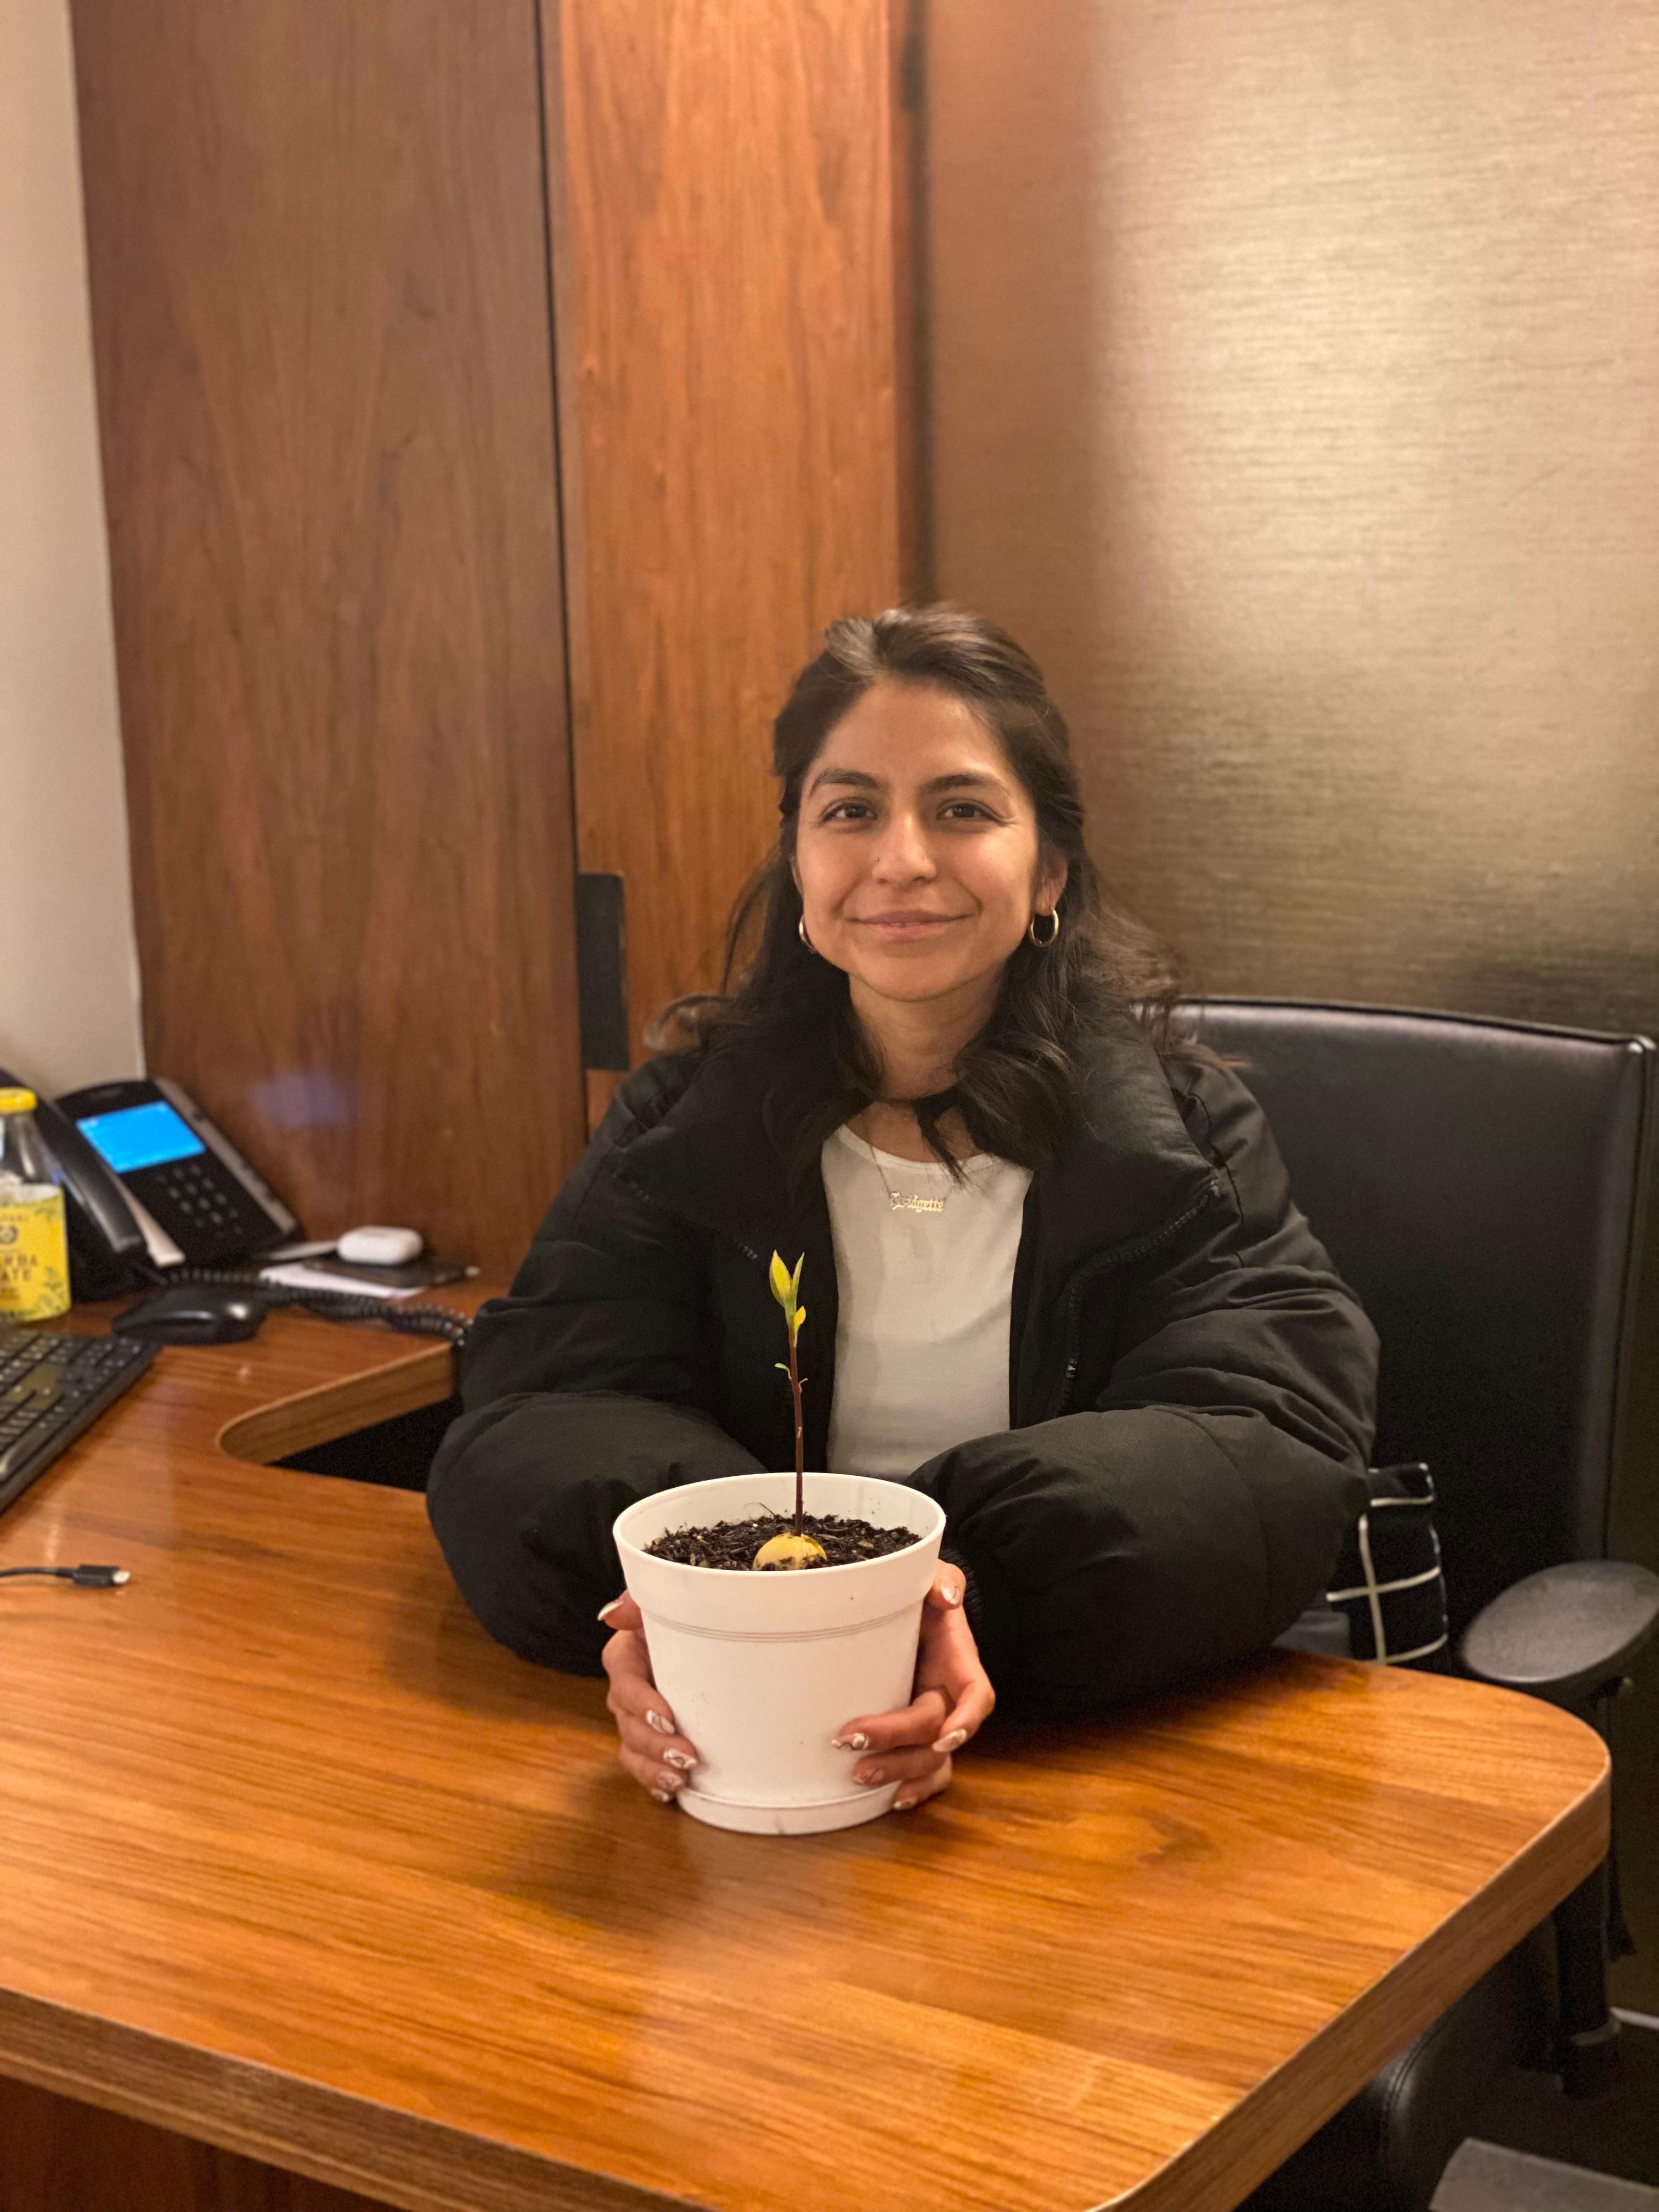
<point x="953" y="1695"/>
<point x="914" y="1747"/>
<point x="653" y="1751"/>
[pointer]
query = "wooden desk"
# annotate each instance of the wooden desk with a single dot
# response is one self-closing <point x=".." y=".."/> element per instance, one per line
<point x="295" y="1861"/>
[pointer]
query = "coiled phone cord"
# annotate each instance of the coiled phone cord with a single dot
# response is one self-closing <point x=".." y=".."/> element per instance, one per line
<point x="329" y="1305"/>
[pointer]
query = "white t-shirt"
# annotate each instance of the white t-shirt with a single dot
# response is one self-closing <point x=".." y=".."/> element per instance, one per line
<point x="921" y="1338"/>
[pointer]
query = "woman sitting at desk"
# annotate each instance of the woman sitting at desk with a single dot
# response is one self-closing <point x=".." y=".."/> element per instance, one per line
<point x="1054" y="1252"/>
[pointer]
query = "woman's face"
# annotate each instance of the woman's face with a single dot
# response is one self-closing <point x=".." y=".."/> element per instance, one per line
<point x="916" y="849"/>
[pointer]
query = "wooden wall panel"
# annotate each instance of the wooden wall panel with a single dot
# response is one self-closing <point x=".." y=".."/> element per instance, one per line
<point x="318" y="275"/>
<point x="1295" y="396"/>
<point x="727" y="335"/>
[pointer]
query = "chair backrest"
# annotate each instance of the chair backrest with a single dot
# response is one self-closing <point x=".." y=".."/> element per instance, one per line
<point x="1480" y="1183"/>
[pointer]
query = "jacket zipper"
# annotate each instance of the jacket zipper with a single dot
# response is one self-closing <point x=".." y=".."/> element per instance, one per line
<point x="694" y="1220"/>
<point x="1123" y="1255"/>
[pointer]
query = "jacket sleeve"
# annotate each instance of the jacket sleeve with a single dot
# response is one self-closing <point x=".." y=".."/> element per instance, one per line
<point x="1191" y="1514"/>
<point x="587" y="1386"/>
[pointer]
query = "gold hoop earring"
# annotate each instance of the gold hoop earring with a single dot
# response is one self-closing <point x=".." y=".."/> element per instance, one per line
<point x="800" y="930"/>
<point x="1053" y="917"/>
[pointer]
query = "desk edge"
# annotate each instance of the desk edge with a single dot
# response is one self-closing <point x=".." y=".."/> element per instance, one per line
<point x="271" y="1431"/>
<point x="1288" y="2106"/>
<point x="284" y="2120"/>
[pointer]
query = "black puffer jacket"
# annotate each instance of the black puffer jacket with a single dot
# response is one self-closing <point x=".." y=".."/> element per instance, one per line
<point x="1191" y="1385"/>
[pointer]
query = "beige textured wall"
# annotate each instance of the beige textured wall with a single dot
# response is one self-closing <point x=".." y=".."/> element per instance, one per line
<point x="68" y="984"/>
<point x="1295" y="396"/>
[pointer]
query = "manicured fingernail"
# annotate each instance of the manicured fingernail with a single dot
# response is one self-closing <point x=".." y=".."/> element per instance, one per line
<point x="663" y="1796"/>
<point x="605" y="1611"/>
<point x="904" y="1804"/>
<point x="670" y="1781"/>
<point x="661" y="1723"/>
<point x="853" y="1742"/>
<point x="951" y="1593"/>
<point x="869" y="1776"/>
<point x="954" y="1741"/>
<point x="682" y="1759"/>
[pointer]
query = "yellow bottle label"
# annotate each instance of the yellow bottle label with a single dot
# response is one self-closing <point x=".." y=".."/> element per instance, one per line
<point x="34" y="1281"/>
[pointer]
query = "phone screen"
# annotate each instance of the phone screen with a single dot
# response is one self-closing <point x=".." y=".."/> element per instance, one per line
<point x="140" y="1137"/>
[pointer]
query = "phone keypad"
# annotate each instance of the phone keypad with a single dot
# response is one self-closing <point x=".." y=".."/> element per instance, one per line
<point x="199" y="1196"/>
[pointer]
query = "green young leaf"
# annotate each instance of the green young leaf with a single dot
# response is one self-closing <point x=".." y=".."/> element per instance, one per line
<point x="783" y="1289"/>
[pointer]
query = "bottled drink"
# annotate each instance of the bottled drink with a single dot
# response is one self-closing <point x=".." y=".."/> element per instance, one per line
<point x="34" y="1279"/>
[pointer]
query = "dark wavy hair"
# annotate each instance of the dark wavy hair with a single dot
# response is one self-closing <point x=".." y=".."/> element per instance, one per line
<point x="1017" y="1086"/>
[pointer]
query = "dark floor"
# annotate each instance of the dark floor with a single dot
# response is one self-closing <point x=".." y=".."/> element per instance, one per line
<point x="1483" y="2178"/>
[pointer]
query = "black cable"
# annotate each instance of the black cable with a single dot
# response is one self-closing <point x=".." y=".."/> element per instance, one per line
<point x="331" y="1305"/>
<point x="84" y="1577"/>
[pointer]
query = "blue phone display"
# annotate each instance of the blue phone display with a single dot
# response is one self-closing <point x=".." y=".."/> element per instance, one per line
<point x="140" y="1137"/>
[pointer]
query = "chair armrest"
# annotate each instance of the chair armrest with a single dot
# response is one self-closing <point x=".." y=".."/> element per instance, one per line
<point x="1563" y="1632"/>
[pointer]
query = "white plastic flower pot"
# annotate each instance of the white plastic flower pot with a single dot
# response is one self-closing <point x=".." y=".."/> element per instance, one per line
<point x="761" y="1670"/>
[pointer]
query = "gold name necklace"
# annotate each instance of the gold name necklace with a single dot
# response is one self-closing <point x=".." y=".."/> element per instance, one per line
<point x="903" y="1201"/>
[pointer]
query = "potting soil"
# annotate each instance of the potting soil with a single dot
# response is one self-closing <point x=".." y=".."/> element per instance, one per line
<point x="731" y="1545"/>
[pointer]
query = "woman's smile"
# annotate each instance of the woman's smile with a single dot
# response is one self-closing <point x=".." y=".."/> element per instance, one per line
<point x="907" y="928"/>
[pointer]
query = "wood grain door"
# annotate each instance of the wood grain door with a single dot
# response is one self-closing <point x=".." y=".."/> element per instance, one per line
<point x="320" y="284"/>
<point x="727" y="236"/>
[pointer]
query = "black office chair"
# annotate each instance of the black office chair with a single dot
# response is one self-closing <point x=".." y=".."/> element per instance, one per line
<point x="1480" y="1185"/>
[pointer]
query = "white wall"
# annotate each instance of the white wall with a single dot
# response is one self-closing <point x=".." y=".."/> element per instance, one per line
<point x="69" y="974"/>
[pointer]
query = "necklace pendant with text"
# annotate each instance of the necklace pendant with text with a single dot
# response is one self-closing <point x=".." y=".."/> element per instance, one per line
<point x="906" y="1202"/>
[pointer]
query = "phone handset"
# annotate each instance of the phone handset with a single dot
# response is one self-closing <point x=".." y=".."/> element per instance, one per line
<point x="106" y="1238"/>
<point x="159" y="1249"/>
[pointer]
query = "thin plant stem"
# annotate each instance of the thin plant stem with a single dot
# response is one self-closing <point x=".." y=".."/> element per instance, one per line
<point x="800" y="1447"/>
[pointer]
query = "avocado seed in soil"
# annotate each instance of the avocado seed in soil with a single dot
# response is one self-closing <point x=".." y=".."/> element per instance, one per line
<point x="827" y="1539"/>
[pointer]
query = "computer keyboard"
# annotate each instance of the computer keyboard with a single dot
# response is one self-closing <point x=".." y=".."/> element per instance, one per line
<point x="51" y="1386"/>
